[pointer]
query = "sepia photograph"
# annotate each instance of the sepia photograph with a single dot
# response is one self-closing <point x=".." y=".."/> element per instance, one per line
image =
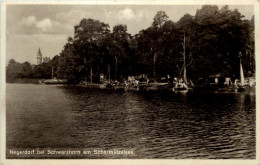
<point x="129" y="81"/>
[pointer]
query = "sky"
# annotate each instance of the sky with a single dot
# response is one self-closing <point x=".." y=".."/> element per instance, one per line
<point x="30" y="27"/>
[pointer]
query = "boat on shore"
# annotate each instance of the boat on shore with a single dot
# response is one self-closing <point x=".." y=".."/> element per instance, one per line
<point x="181" y="84"/>
<point x="116" y="85"/>
<point x="180" y="87"/>
<point x="158" y="86"/>
<point x="55" y="81"/>
<point x="241" y="84"/>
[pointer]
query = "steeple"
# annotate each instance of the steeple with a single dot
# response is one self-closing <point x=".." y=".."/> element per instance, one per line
<point x="39" y="57"/>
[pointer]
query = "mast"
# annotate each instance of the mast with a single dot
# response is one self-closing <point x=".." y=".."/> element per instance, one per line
<point x="108" y="69"/>
<point x="52" y="72"/>
<point x="115" y="67"/>
<point x="184" y="62"/>
<point x="154" y="61"/>
<point x="91" y="74"/>
<point x="85" y="63"/>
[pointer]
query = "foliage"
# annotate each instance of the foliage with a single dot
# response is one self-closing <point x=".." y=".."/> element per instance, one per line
<point x="210" y="42"/>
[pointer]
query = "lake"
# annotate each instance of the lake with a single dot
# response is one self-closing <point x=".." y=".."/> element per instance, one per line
<point x="152" y="124"/>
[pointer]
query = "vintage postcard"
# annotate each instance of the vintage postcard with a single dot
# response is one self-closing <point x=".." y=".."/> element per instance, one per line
<point x="118" y="82"/>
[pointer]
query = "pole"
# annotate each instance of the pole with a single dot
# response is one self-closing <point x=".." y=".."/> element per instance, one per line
<point x="52" y="72"/>
<point x="154" y="61"/>
<point x="108" y="69"/>
<point x="86" y="75"/>
<point x="85" y="63"/>
<point x="115" y="67"/>
<point x="91" y="75"/>
<point x="184" y="62"/>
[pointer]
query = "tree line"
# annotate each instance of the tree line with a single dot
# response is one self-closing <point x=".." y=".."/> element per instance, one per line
<point x="16" y="70"/>
<point x="212" y="42"/>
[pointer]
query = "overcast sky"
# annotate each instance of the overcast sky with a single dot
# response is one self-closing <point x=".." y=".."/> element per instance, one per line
<point x="29" y="27"/>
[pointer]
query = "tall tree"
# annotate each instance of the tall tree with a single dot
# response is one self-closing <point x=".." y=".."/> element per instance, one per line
<point x="219" y="37"/>
<point x="120" y="50"/>
<point x="159" y="19"/>
<point x="89" y="36"/>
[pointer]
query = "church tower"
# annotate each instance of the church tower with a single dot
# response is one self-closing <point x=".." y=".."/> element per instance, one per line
<point x="39" y="57"/>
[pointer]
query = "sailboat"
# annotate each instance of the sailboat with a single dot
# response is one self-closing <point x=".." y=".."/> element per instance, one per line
<point x="181" y="85"/>
<point x="242" y="79"/>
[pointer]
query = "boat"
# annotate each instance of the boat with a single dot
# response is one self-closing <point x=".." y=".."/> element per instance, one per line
<point x="109" y="84"/>
<point x="118" y="85"/>
<point x="54" y="80"/>
<point x="142" y="83"/>
<point x="155" y="85"/>
<point x="181" y="85"/>
<point x="241" y="87"/>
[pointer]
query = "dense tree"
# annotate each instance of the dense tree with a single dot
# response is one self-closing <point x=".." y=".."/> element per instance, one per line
<point x="206" y="44"/>
<point x="68" y="68"/>
<point x="159" y="19"/>
<point x="219" y="37"/>
<point x="120" y="50"/>
<point x="85" y="51"/>
<point x="13" y="70"/>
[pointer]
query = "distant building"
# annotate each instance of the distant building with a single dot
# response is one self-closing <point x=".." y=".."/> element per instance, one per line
<point x="46" y="59"/>
<point x="39" y="57"/>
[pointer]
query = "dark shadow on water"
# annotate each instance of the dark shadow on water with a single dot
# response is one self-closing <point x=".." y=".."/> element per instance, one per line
<point x="155" y="124"/>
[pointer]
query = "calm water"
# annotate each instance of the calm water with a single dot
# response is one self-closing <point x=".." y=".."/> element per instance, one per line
<point x="153" y="124"/>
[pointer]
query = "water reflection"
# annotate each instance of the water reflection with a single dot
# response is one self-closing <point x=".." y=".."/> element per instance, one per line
<point x="154" y="124"/>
